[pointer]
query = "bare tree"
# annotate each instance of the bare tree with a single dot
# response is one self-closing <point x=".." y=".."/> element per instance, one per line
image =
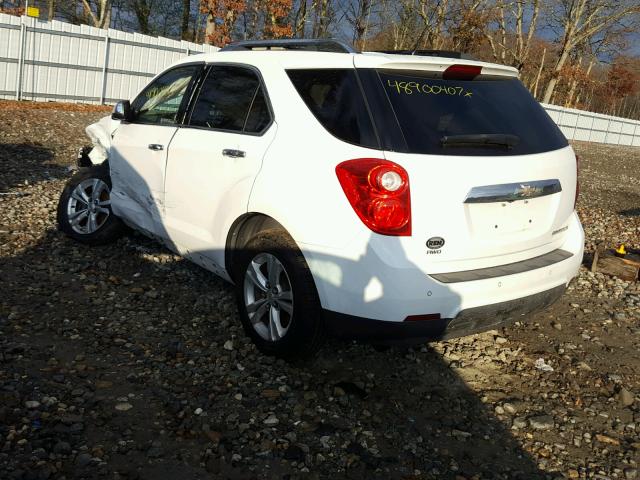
<point x="98" y="12"/>
<point x="323" y="17"/>
<point x="418" y="24"/>
<point x="184" y="25"/>
<point x="514" y="47"/>
<point x="404" y="23"/>
<point x="580" y="20"/>
<point x="534" y="87"/>
<point x="142" y="11"/>
<point x="299" y="20"/>
<point x="358" y="14"/>
<point x="51" y="9"/>
<point x="433" y="16"/>
<point x="466" y="24"/>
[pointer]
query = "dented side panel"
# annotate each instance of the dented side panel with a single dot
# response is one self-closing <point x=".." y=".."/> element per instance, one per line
<point x="138" y="173"/>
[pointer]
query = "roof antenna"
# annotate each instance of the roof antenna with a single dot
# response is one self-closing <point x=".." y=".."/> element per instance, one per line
<point x="415" y="47"/>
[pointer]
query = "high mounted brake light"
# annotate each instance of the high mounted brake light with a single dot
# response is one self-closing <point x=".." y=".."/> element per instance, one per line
<point x="378" y="191"/>
<point x="461" y="72"/>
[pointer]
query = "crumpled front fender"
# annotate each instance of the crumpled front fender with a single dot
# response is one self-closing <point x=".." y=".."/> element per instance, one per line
<point x="100" y="134"/>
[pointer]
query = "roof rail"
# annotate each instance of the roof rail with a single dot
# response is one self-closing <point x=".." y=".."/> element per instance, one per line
<point x="312" y="44"/>
<point x="429" y="53"/>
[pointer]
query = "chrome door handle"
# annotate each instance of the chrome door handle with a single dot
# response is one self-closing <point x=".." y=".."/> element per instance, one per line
<point x="227" y="152"/>
<point x="156" y="147"/>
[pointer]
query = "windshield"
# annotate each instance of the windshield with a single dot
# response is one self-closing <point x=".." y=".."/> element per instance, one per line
<point x="469" y="117"/>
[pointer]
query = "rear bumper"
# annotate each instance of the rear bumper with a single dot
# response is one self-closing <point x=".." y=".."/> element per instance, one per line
<point x="467" y="322"/>
<point x="381" y="283"/>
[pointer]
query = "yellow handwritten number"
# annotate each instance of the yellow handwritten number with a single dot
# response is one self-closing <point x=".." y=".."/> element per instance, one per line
<point x="409" y="88"/>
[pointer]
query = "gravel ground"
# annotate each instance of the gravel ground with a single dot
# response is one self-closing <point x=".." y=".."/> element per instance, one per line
<point x="126" y="362"/>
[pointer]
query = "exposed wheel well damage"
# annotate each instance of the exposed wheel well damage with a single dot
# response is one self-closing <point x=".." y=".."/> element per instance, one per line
<point x="243" y="230"/>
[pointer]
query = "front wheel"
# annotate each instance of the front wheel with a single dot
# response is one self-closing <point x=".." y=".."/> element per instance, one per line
<point x="84" y="208"/>
<point x="277" y="298"/>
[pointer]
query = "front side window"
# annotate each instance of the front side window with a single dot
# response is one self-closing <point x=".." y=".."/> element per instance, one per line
<point x="232" y="99"/>
<point x="160" y="102"/>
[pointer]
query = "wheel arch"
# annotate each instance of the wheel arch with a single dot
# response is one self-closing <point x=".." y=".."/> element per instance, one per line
<point x="242" y="230"/>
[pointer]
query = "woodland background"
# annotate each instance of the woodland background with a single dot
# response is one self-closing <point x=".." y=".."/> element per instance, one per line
<point x="575" y="53"/>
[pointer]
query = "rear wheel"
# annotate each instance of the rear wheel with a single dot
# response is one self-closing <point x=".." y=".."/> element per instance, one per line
<point x="277" y="298"/>
<point x="84" y="209"/>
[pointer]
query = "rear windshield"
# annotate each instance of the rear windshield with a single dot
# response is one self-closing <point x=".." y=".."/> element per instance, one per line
<point x="446" y="116"/>
<point x="408" y="111"/>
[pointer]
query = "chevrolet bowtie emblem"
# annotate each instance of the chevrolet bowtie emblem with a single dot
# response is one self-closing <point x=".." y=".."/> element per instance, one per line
<point x="512" y="192"/>
<point x="526" y="191"/>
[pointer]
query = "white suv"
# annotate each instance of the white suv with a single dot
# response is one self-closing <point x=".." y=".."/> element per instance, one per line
<point x="383" y="196"/>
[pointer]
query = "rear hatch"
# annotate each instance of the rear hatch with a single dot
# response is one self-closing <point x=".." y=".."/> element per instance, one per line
<point x="492" y="178"/>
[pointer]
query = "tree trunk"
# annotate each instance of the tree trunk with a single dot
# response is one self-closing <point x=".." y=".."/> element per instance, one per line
<point x="300" y="19"/>
<point x="142" y="11"/>
<point x="360" y="22"/>
<point x="321" y="20"/>
<point x="210" y="29"/>
<point x="537" y="80"/>
<point x="572" y="87"/>
<point x="587" y="75"/>
<point x="51" y="4"/>
<point x="184" y="26"/>
<point x="102" y="17"/>
<point x="106" y="14"/>
<point x="553" y="81"/>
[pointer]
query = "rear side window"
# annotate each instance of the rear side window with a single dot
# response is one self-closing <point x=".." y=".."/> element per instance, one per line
<point x="232" y="99"/>
<point x="336" y="100"/>
<point x="259" y="117"/>
<point x="446" y="116"/>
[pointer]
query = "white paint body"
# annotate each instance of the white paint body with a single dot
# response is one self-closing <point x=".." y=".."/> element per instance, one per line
<point x="189" y="196"/>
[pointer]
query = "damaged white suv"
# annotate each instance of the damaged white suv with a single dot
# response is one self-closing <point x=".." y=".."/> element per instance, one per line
<point x="382" y="196"/>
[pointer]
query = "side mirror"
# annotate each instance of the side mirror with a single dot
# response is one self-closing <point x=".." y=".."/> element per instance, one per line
<point x="122" y="111"/>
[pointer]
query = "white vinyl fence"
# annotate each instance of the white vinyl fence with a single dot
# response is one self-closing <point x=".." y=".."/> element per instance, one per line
<point x="59" y="61"/>
<point x="595" y="127"/>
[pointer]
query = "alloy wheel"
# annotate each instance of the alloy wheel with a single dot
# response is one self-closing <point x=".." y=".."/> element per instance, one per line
<point x="268" y="297"/>
<point x="88" y="207"/>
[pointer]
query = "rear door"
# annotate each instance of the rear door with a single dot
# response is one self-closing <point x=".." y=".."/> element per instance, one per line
<point x="214" y="159"/>
<point x="139" y="148"/>
<point x="492" y="178"/>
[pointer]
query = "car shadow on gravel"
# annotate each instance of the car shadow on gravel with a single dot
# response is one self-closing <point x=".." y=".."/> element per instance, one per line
<point x="630" y="212"/>
<point x="26" y="162"/>
<point x="124" y="361"/>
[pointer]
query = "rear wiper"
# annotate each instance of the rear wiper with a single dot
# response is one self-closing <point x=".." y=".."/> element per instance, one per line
<point x="480" y="140"/>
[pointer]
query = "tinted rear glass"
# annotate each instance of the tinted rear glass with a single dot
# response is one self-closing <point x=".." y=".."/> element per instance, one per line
<point x="429" y="109"/>
<point x="259" y="117"/>
<point x="336" y="100"/>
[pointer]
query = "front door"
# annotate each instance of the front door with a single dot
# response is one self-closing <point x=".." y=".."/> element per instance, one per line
<point x="138" y="154"/>
<point x="213" y="161"/>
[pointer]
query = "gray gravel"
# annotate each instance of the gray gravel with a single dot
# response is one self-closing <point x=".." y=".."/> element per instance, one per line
<point x="126" y="362"/>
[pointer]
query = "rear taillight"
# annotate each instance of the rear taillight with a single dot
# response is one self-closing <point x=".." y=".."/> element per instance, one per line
<point x="461" y="72"/>
<point x="575" y="200"/>
<point x="378" y="191"/>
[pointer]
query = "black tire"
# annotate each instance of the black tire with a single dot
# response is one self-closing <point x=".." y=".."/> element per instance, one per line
<point x="306" y="333"/>
<point x="110" y="227"/>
